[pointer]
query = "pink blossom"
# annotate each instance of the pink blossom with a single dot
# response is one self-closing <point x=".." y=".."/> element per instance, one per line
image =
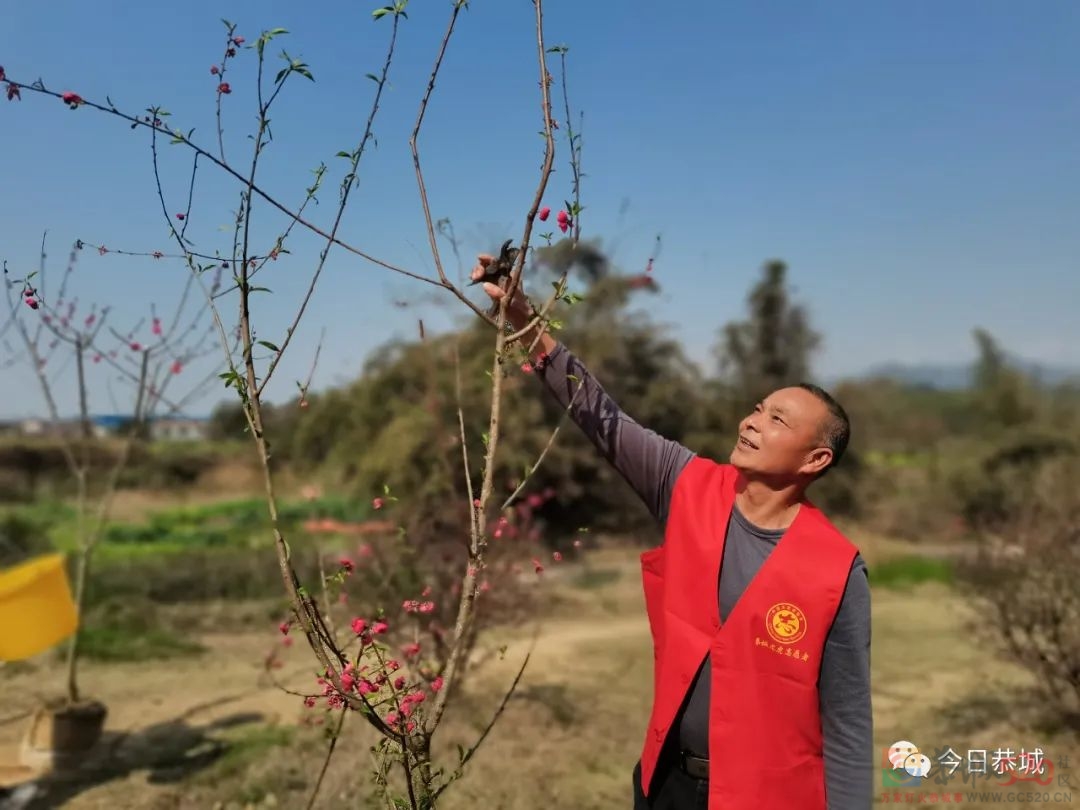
<point x="426" y="591"/>
<point x="71" y="99"/>
<point x="544" y="213"/>
<point x="348" y="681"/>
<point x="176" y="367"/>
<point x="287" y="641"/>
<point x="31" y="302"/>
<point x="309" y="701"/>
<point x="347" y="564"/>
<point x="538" y="566"/>
<point x="577" y="544"/>
<point x="377" y="503"/>
<point x="437" y="684"/>
<point x="410" y="650"/>
<point x="335" y="702"/>
<point x="358" y="626"/>
<point x="485" y="586"/>
<point x="399" y="682"/>
<point x="392" y="665"/>
<point x="393" y="718"/>
<point x="284" y="628"/>
<point x="135" y="346"/>
<point x="224" y="89"/>
<point x="181" y="217"/>
<point x="156" y="328"/>
<point x="13" y="93"/>
<point x="379" y="627"/>
<point x="527" y="367"/>
<point x="2" y="74"/>
<point x="214" y="70"/>
<point x="366" y="687"/>
<point x="557" y="556"/>
<point x="238" y="41"/>
<point x="427" y="607"/>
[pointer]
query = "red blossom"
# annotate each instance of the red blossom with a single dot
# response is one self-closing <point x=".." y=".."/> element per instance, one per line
<point x="181" y="217"/>
<point x="13" y="93"/>
<point x="135" y="346"/>
<point x="224" y="88"/>
<point x="214" y="70"/>
<point x="71" y="99"/>
<point x="347" y="564"/>
<point x="545" y="212"/>
<point x="284" y="628"/>
<point x="177" y="367"/>
<point x="32" y="303"/>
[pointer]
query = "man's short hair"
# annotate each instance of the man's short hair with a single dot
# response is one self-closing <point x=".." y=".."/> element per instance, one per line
<point x="836" y="429"/>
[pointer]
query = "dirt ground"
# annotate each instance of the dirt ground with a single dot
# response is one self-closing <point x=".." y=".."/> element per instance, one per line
<point x="209" y="731"/>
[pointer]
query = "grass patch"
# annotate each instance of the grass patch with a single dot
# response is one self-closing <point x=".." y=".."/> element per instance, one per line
<point x="248" y="747"/>
<point x="118" y="643"/>
<point x="591" y="579"/>
<point x="903" y="572"/>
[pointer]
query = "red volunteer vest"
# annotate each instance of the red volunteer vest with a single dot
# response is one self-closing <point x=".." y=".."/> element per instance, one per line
<point x="764" y="721"/>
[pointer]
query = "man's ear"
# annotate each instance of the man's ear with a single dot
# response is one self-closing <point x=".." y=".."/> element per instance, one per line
<point x="817" y="461"/>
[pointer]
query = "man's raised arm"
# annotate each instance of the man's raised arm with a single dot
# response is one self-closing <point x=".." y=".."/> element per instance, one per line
<point x="648" y="462"/>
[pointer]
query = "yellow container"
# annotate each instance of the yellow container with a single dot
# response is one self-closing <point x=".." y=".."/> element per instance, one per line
<point x="36" y="607"/>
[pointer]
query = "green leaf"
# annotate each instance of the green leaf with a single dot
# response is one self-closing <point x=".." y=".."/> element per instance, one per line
<point x="382" y="12"/>
<point x="374" y="78"/>
<point x="273" y="32"/>
<point x="344" y="155"/>
<point x="269" y="345"/>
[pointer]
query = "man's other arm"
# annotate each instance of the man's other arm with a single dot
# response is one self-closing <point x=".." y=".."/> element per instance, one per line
<point x="847" y="724"/>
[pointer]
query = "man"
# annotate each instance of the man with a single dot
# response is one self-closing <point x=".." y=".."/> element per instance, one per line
<point x="759" y="608"/>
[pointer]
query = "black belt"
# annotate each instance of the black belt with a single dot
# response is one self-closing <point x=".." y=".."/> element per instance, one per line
<point x="693" y="765"/>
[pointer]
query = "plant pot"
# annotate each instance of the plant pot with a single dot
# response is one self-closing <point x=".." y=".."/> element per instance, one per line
<point x="62" y="735"/>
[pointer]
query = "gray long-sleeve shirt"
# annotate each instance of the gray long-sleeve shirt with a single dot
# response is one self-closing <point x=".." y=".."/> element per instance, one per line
<point x="650" y="464"/>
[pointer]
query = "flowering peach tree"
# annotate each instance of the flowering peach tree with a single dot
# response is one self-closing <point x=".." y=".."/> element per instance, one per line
<point x="397" y="666"/>
<point x="149" y="360"/>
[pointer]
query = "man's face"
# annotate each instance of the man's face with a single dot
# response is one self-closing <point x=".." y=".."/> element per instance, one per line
<point x="782" y="436"/>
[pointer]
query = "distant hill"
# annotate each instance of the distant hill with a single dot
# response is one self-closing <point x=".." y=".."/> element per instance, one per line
<point x="959" y="375"/>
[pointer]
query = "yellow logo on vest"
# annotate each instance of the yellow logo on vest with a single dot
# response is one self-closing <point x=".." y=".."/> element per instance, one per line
<point x="785" y="623"/>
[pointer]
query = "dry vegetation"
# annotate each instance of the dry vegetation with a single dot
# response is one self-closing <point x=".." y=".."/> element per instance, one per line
<point x="185" y="734"/>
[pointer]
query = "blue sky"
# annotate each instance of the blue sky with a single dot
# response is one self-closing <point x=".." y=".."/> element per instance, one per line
<point x="916" y="164"/>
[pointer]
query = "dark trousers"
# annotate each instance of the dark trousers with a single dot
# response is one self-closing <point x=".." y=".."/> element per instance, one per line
<point x="672" y="790"/>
